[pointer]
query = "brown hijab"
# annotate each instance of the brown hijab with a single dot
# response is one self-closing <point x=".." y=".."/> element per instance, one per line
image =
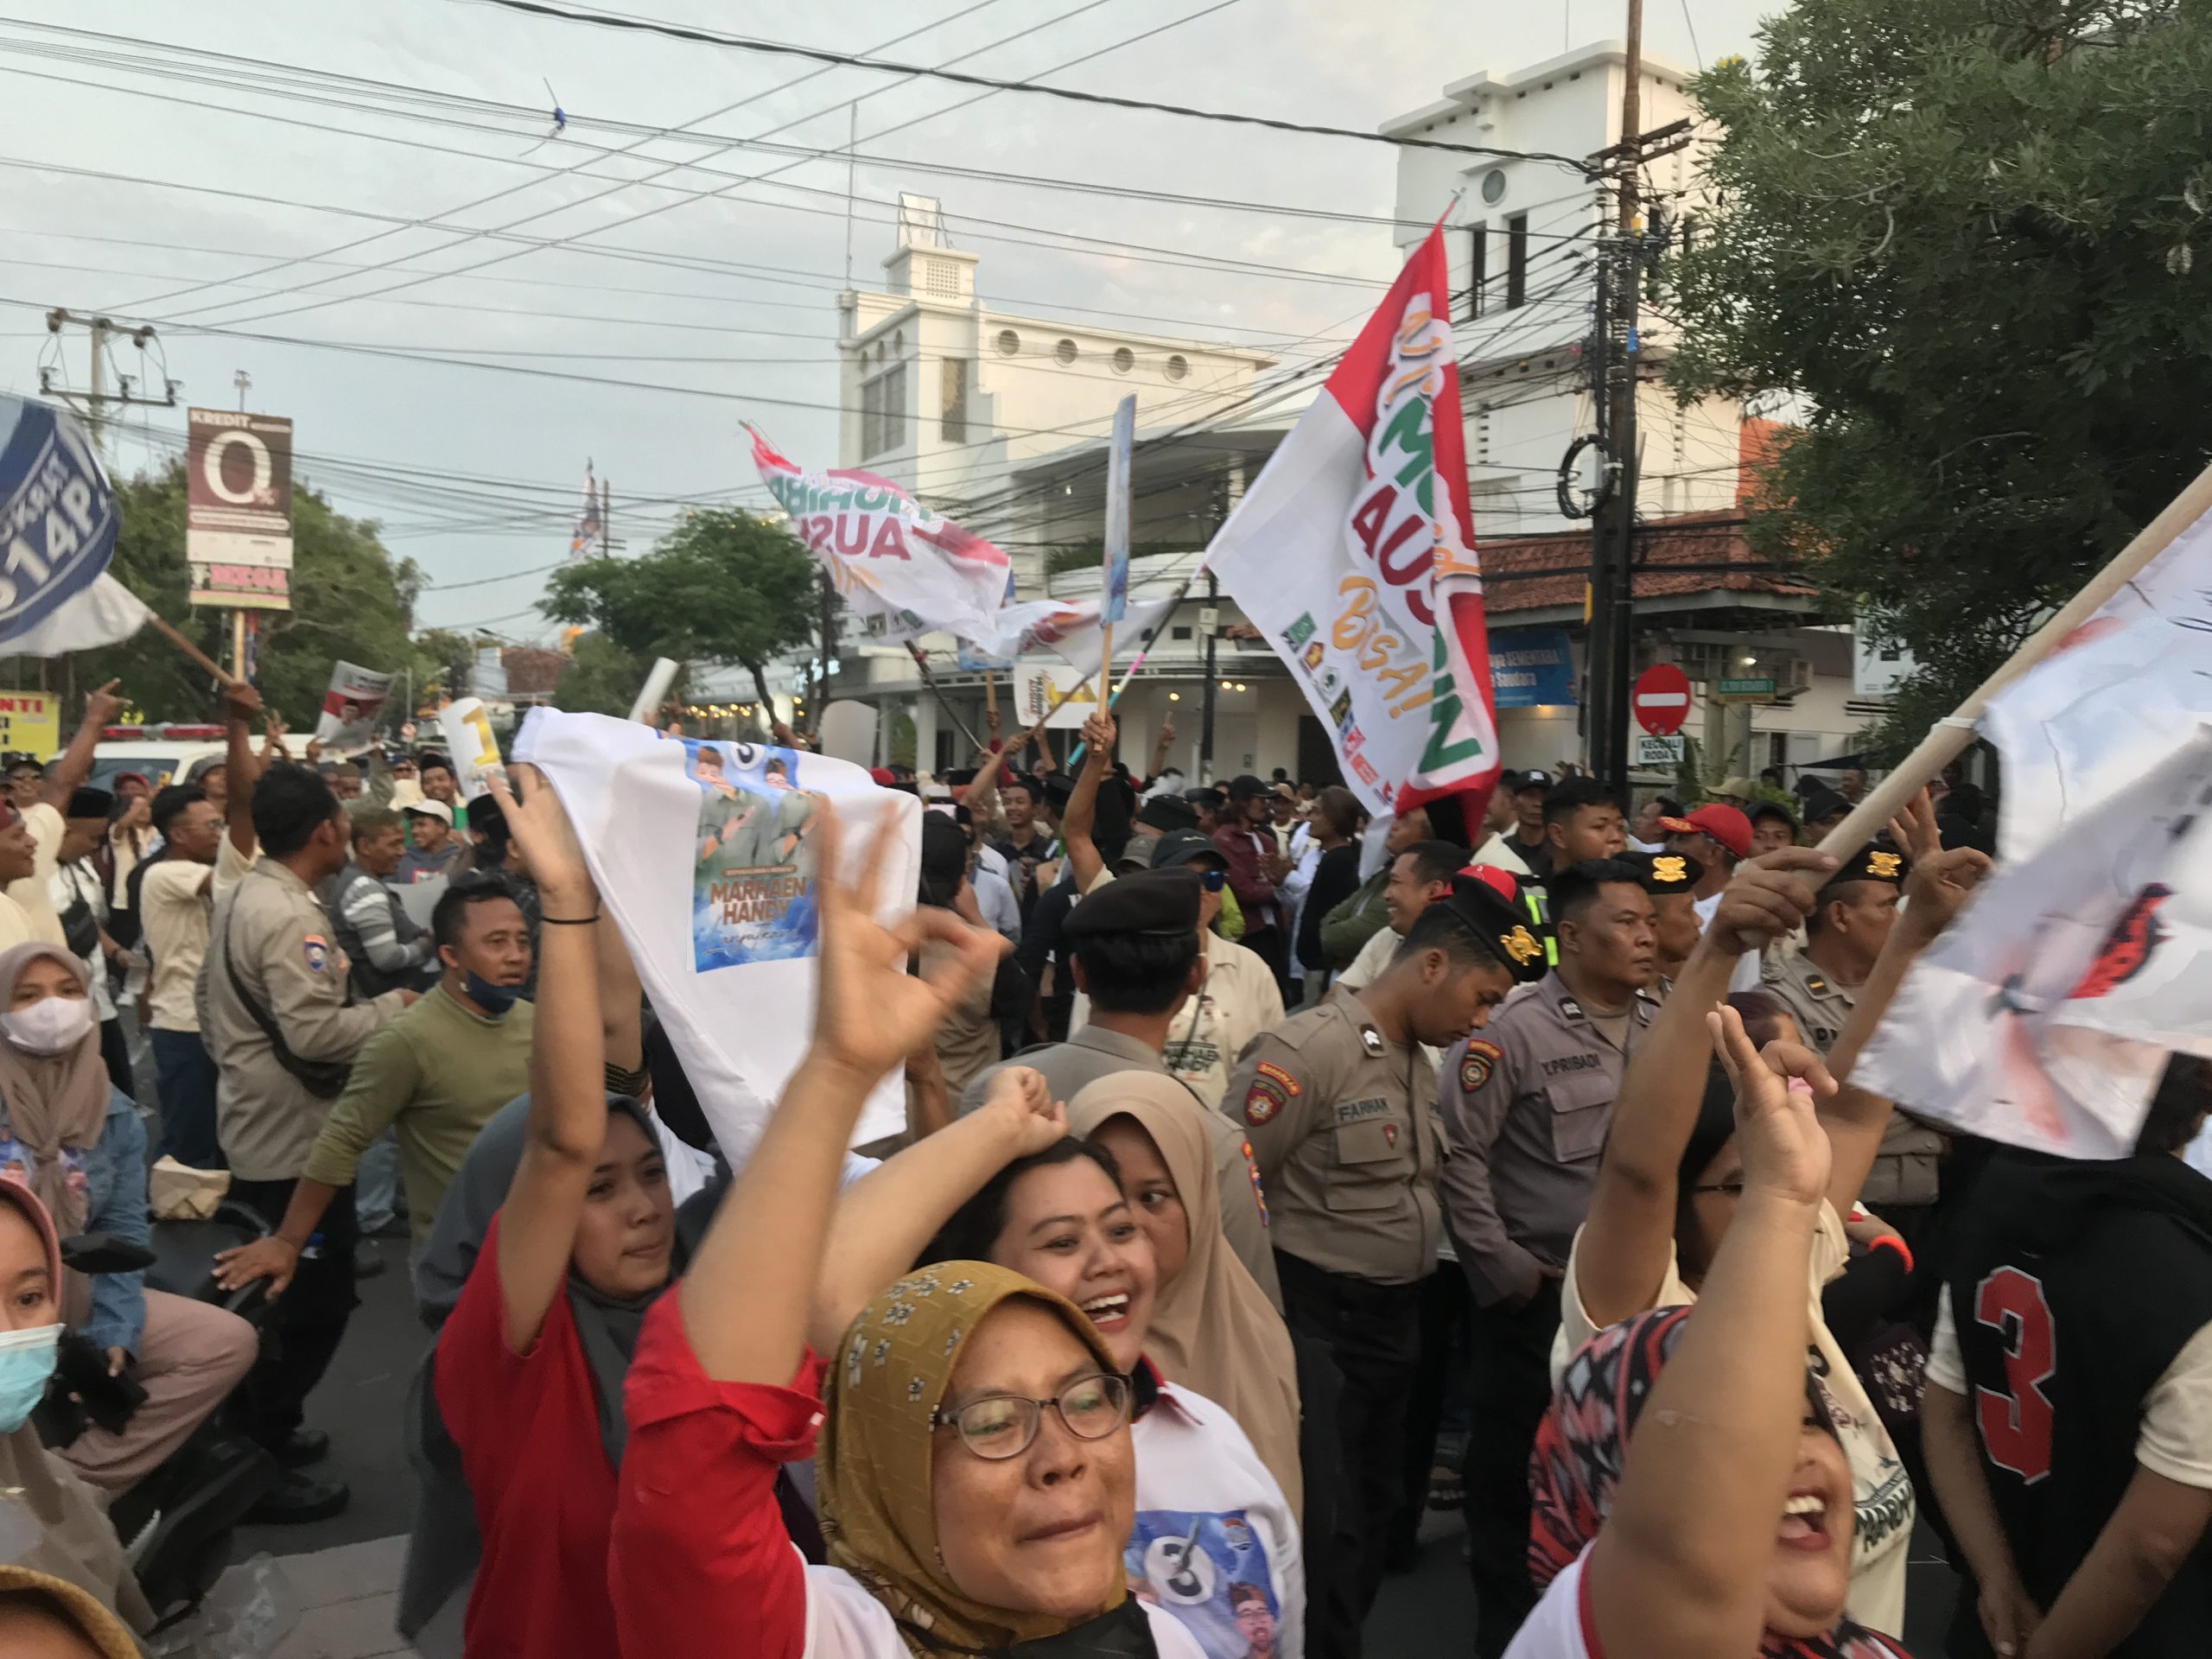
<point x="54" y="1105"/>
<point x="1213" y="1329"/>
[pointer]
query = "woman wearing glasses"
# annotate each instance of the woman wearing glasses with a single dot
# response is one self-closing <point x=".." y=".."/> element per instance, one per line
<point x="975" y="1470"/>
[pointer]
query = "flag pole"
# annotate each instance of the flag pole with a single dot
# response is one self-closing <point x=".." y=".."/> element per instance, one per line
<point x="929" y="680"/>
<point x="192" y="651"/>
<point x="1113" y="545"/>
<point x="1947" y="739"/>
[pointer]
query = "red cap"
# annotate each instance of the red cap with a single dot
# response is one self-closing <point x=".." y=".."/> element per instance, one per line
<point x="1726" y="826"/>
<point x="883" y="775"/>
<point x="1500" y="882"/>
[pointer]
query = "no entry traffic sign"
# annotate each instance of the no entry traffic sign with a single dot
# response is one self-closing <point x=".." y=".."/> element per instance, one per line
<point x="1660" y="699"/>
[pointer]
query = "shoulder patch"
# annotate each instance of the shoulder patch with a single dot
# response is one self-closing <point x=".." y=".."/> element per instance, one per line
<point x="317" y="950"/>
<point x="1816" y="985"/>
<point x="1263" y="1101"/>
<point x="1269" y="1068"/>
<point x="1259" y="1193"/>
<point x="1475" y="1065"/>
<point x="1370" y="1040"/>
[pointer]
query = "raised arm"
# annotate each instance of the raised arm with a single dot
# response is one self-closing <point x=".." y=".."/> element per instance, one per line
<point x="1680" y="1568"/>
<point x="240" y="770"/>
<point x="1083" y="801"/>
<point x="748" y="1298"/>
<point x="74" y="764"/>
<point x="885" y="1217"/>
<point x="1621" y="1254"/>
<point x="567" y="1126"/>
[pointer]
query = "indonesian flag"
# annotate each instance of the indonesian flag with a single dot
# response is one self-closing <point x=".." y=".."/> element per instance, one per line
<point x="1354" y="555"/>
<point x="890" y="556"/>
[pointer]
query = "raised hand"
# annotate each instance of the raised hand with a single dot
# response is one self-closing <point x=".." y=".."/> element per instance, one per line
<point x="869" y="1010"/>
<point x="540" y="827"/>
<point x="1938" y="889"/>
<point x="1098" y="733"/>
<point x="241" y="703"/>
<point x="1021" y="1095"/>
<point x="1767" y="898"/>
<point x="101" y="707"/>
<point x="1785" y="1150"/>
<point x="1914" y="829"/>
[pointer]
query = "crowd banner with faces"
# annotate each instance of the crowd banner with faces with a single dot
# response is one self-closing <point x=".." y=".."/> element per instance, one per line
<point x="707" y="855"/>
<point x="2044" y="1016"/>
<point x="1354" y="555"/>
<point x="351" y="707"/>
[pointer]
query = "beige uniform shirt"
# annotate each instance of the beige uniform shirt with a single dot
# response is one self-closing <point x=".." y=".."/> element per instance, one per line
<point x="33" y="895"/>
<point x="1905" y="1170"/>
<point x="1239" y="999"/>
<point x="1374" y="956"/>
<point x="1527" y="1104"/>
<point x="1342" y="1125"/>
<point x="273" y="927"/>
<point x="175" y="898"/>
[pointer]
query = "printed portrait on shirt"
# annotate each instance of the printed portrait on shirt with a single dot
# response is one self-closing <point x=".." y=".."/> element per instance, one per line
<point x="753" y="855"/>
<point x="1212" y="1570"/>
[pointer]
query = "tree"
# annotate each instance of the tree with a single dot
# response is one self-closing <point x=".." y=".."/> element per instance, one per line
<point x="602" y="678"/>
<point x="351" y="599"/>
<point x="723" y="587"/>
<point x="1965" y="234"/>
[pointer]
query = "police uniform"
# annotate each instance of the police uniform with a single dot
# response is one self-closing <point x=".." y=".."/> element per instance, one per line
<point x="1667" y="875"/>
<point x="1341" y="1121"/>
<point x="1905" y="1172"/>
<point x="1526" y="1107"/>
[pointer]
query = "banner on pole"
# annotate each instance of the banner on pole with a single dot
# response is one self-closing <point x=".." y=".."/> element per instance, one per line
<point x="1354" y="557"/>
<point x="889" y="556"/>
<point x="351" y="708"/>
<point x="237" y="513"/>
<point x="471" y="746"/>
<point x="58" y="522"/>
<point x="1114" y="576"/>
<point x="1038" y="687"/>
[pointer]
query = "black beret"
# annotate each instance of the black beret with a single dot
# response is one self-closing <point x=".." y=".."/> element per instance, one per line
<point x="1204" y="795"/>
<point x="1152" y="904"/>
<point x="1875" y="861"/>
<point x="1497" y="921"/>
<point x="1823" y="804"/>
<point x="1665" y="873"/>
<point x="1178" y="846"/>
<point x="1168" y="812"/>
<point x="1056" y="787"/>
<point x="88" y="803"/>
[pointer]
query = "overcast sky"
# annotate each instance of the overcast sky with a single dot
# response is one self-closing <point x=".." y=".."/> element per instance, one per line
<point x="346" y="150"/>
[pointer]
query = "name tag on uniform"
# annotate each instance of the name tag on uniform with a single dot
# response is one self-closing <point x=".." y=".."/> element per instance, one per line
<point x="1572" y="1063"/>
<point x="1358" y="1111"/>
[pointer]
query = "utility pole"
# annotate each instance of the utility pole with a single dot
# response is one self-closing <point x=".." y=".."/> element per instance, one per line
<point x="1209" y="625"/>
<point x="829" y="593"/>
<point x="93" y="404"/>
<point x="244" y="382"/>
<point x="606" y="518"/>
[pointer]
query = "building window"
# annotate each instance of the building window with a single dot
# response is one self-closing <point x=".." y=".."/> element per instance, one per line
<point x="1516" y="261"/>
<point x="952" y="399"/>
<point x="1177" y="366"/>
<point x="1478" y="268"/>
<point x="1180" y="631"/>
<point x="1494" y="185"/>
<point x="1124" y="359"/>
<point x="1008" y="342"/>
<point x="1064" y="354"/>
<point x="943" y="279"/>
<point x="883" y="412"/>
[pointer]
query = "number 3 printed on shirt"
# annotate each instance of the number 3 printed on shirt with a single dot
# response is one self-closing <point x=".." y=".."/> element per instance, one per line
<point x="2016" y="1427"/>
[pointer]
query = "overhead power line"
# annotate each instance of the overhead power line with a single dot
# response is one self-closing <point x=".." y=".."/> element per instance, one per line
<point x="819" y="54"/>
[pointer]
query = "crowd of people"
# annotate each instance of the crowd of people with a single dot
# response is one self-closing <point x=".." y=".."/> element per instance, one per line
<point x="1271" y="1177"/>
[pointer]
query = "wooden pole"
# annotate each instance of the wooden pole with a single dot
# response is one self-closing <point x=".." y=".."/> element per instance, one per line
<point x="990" y="693"/>
<point x="1947" y="739"/>
<point x="192" y="651"/>
<point x="929" y="680"/>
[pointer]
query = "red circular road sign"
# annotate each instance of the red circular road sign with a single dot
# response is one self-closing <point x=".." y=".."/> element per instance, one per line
<point x="1662" y="699"/>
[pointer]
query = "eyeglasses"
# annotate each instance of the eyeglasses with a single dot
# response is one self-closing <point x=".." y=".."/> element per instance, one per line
<point x="1734" y="1189"/>
<point x="1212" y="880"/>
<point x="1002" y="1425"/>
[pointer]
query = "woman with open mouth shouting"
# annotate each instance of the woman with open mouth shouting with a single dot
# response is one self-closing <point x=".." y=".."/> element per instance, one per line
<point x="1214" y="1541"/>
<point x="1691" y="1499"/>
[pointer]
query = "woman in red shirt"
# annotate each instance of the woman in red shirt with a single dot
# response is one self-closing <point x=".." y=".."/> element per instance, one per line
<point x="530" y="1365"/>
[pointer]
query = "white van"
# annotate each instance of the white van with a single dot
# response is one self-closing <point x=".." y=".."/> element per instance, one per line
<point x="169" y="754"/>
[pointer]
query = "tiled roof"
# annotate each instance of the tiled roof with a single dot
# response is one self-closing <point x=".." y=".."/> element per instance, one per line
<point x="1695" y="538"/>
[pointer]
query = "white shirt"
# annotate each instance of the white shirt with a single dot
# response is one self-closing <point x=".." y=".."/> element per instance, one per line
<point x="844" y="1622"/>
<point x="994" y="893"/>
<point x="70" y="883"/>
<point x="1559" y="1625"/>
<point x="1745" y="976"/>
<point x="1306" y="858"/>
<point x="1210" y="1515"/>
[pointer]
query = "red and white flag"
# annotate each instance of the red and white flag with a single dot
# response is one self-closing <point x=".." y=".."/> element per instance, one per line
<point x="1354" y="555"/>
<point x="890" y="556"/>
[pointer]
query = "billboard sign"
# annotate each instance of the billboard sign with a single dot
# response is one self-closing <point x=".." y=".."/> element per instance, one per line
<point x="238" y="534"/>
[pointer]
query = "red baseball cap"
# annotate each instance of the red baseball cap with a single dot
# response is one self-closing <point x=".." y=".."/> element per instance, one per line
<point x="1727" y="826"/>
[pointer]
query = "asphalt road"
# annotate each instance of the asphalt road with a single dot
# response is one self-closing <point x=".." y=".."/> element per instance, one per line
<point x="361" y="1403"/>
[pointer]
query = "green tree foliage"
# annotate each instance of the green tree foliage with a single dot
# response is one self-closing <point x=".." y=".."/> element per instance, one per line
<point x="723" y="587"/>
<point x="351" y="599"/>
<point x="1972" y="236"/>
<point x="602" y="678"/>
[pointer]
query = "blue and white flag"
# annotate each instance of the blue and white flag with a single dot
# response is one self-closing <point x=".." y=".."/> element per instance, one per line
<point x="57" y="520"/>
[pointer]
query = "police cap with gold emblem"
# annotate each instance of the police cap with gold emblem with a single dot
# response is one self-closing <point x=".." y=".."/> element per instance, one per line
<point x="1877" y="861"/>
<point x="1665" y="873"/>
<point x="1483" y="901"/>
<point x="1151" y="904"/>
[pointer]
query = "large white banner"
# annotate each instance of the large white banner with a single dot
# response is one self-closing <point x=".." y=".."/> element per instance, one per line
<point x="1354" y="555"/>
<point x="2044" y="1017"/>
<point x="889" y="556"/>
<point x="704" y="853"/>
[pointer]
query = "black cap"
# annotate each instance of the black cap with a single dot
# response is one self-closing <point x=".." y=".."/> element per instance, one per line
<point x="1665" y="873"/>
<point x="1497" y="921"/>
<point x="1056" y="787"/>
<point x="88" y="803"/>
<point x="1203" y="795"/>
<point x="1877" y="861"/>
<point x="1245" y="787"/>
<point x="1182" y="846"/>
<point x="1771" y="809"/>
<point x="1168" y="812"/>
<point x="1528" y="780"/>
<point x="1152" y="904"/>
<point x="1822" y="805"/>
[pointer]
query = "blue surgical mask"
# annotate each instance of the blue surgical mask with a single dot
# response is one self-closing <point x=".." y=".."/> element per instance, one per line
<point x="494" y="1000"/>
<point x="26" y="1366"/>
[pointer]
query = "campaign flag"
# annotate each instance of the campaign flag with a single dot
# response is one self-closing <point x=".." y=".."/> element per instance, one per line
<point x="351" y="707"/>
<point x="2044" y="1016"/>
<point x="975" y="659"/>
<point x="2115" y="698"/>
<point x="704" y="853"/>
<point x="1113" y="575"/>
<point x="588" y="527"/>
<point x="472" y="747"/>
<point x="890" y="555"/>
<point x="1354" y="555"/>
<point x="57" y="520"/>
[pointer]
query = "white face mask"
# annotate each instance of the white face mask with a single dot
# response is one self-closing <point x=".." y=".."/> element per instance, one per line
<point x="49" y="1025"/>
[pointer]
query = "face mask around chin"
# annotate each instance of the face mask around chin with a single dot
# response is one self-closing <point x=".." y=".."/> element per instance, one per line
<point x="49" y="1025"/>
<point x="26" y="1366"/>
<point x="494" y="1000"/>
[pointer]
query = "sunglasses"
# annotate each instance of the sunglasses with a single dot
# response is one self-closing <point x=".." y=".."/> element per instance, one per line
<point x="1212" y="880"/>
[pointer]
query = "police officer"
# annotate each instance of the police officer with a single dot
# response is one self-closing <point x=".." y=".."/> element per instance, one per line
<point x="1851" y="920"/>
<point x="275" y="1014"/>
<point x="1526" y="1107"/>
<point x="1671" y="879"/>
<point x="1340" y="1110"/>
